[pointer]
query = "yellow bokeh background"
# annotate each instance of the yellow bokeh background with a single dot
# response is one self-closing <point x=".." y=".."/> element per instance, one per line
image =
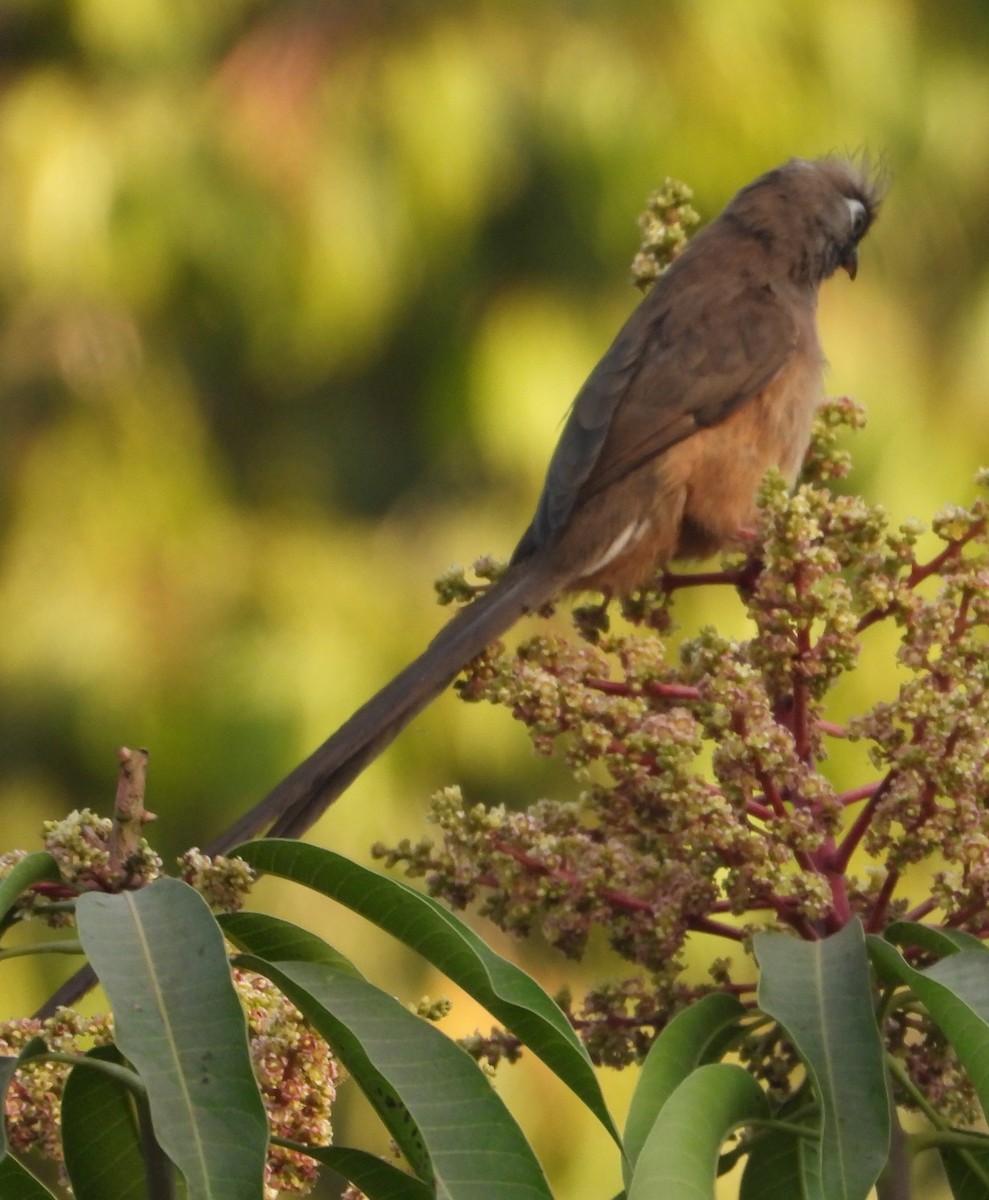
<point x="293" y="297"/>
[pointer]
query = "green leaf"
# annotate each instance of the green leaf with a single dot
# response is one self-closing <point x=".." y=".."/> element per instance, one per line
<point x="773" y="1169"/>
<point x="812" y="1168"/>
<point x="820" y="993"/>
<point x="508" y="993"/>
<point x="377" y="1179"/>
<point x="160" y="957"/>
<point x="434" y="1099"/>
<point x="967" y="1172"/>
<point x="276" y="940"/>
<point x="931" y="937"/>
<point x="955" y="991"/>
<point x="8" y="1065"/>
<point x="35" y="868"/>
<point x="100" y="1135"/>
<point x="680" y="1048"/>
<point x="17" y="1182"/>
<point x="679" y="1159"/>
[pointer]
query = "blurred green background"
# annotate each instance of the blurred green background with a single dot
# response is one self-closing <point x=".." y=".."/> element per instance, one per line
<point x="293" y="296"/>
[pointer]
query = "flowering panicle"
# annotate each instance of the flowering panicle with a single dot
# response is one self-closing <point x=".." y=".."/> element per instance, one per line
<point x="665" y="225"/>
<point x="34" y="1096"/>
<point x="294" y="1068"/>
<point x="705" y="805"/>
<point x="298" y="1078"/>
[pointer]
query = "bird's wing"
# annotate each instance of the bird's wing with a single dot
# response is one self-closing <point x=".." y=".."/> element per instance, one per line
<point x="673" y="369"/>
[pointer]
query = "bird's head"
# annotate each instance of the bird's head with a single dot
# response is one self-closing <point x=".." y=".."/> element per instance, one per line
<point x="811" y="214"/>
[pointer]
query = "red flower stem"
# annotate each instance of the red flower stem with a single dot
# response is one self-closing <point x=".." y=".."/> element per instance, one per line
<point x="928" y="906"/>
<point x="878" y="915"/>
<point x="844" y="852"/>
<point x="921" y="571"/>
<point x="856" y="794"/>
<point x="610" y="895"/>
<point x="623" y="900"/>
<point x="718" y="928"/>
<point x="672" y="691"/>
<point x="610" y="687"/>
<point x="662" y="691"/>
<point x="800" y="720"/>
<point x="799" y="923"/>
<point x="961" y="617"/>
<point x="841" y="910"/>
<point x="54" y="891"/>
<point x="772" y="794"/>
<point x="754" y="809"/>
<point x="672" y="580"/>
<point x="754" y="906"/>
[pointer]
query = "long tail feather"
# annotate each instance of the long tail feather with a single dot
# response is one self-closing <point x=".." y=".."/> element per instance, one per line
<point x="303" y="796"/>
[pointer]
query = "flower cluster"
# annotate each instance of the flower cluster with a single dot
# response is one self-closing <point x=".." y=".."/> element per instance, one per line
<point x="704" y="802"/>
<point x="297" y="1075"/>
<point x="35" y="1093"/>
<point x="223" y="882"/>
<point x="932" y="1067"/>
<point x="665" y="225"/>
<point x="79" y="843"/>
<point x="294" y="1068"/>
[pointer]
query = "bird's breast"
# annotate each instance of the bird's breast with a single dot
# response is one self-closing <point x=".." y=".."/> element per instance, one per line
<point x="720" y="469"/>
<point x="699" y="496"/>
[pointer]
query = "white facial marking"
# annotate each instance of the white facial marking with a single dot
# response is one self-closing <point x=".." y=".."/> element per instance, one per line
<point x="856" y="210"/>
<point x="625" y="540"/>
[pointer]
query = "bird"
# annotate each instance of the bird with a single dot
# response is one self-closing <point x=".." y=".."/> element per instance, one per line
<point x="713" y="379"/>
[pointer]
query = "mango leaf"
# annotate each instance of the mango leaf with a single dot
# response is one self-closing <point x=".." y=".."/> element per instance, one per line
<point x="100" y="1136"/>
<point x="955" y="991"/>
<point x="435" y="1101"/>
<point x="679" y="1049"/>
<point x="160" y="957"/>
<point x="820" y="993"/>
<point x="377" y="1179"/>
<point x="276" y="940"/>
<point x="17" y="1182"/>
<point x="967" y="1172"/>
<point x="773" y="1169"/>
<point x="931" y="937"/>
<point x="679" y="1158"/>
<point x="508" y="993"/>
<point x="34" y="868"/>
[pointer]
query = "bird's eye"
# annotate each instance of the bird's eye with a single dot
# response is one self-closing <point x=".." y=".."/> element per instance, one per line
<point x="859" y="216"/>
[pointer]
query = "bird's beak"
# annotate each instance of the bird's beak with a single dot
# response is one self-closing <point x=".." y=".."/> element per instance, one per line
<point x="851" y="261"/>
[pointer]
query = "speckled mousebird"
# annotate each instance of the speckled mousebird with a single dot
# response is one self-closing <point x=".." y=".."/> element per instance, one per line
<point x="711" y="381"/>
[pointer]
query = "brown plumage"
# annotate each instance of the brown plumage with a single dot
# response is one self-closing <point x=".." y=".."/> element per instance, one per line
<point x="712" y="380"/>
